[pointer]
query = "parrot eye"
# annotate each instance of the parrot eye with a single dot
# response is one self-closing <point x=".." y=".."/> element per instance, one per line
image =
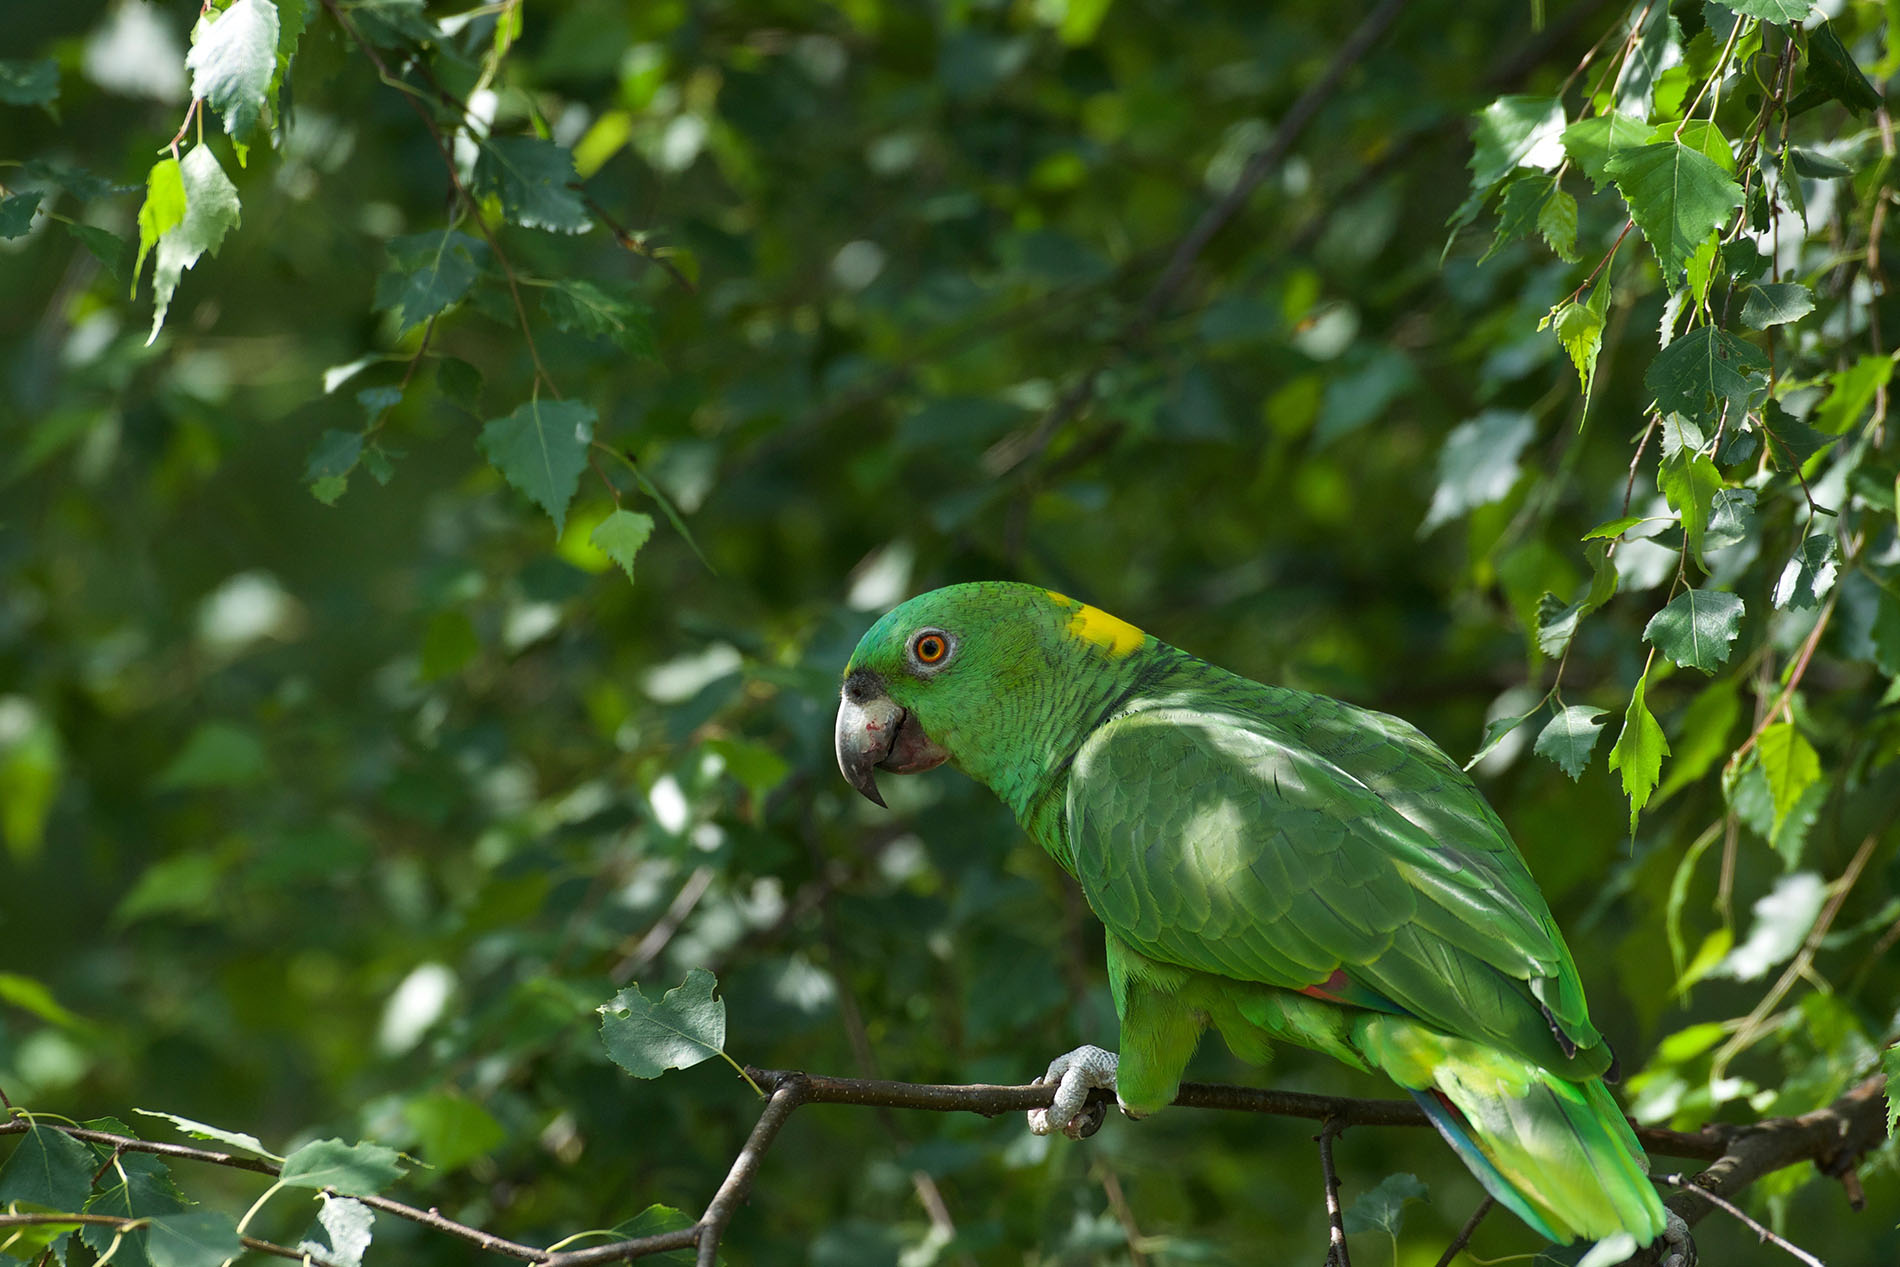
<point x="930" y="647"/>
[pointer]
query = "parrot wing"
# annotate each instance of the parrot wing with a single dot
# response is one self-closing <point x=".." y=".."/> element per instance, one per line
<point x="1291" y="842"/>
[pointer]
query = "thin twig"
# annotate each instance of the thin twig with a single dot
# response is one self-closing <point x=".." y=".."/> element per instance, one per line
<point x="1336" y="1254"/>
<point x="1761" y="1233"/>
<point x="1463" y="1238"/>
<point x="655" y="941"/>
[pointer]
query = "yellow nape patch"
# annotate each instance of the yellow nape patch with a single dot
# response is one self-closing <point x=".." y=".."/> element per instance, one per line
<point x="1111" y="633"/>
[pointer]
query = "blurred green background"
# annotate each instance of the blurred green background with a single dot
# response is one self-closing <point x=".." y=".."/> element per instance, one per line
<point x="343" y="819"/>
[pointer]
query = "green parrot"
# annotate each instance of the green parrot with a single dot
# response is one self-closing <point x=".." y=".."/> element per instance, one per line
<point x="1280" y="865"/>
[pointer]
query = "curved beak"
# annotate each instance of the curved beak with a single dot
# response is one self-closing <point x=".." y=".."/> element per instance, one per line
<point x="873" y="733"/>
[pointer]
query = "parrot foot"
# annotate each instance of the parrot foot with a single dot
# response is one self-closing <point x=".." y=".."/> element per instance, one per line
<point x="1076" y="1074"/>
<point x="1675" y="1247"/>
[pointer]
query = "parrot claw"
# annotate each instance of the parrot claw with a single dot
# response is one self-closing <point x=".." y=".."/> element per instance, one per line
<point x="1676" y="1248"/>
<point x="1076" y="1074"/>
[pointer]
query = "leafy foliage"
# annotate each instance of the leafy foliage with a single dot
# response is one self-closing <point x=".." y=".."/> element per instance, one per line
<point x="336" y="794"/>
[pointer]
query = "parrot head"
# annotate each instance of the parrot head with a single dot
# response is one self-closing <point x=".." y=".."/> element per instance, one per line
<point x="976" y="675"/>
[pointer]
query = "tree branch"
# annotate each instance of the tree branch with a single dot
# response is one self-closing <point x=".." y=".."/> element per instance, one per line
<point x="1336" y="1252"/>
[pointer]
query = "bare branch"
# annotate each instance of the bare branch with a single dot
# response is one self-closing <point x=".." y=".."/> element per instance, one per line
<point x="1336" y="1253"/>
<point x="1463" y="1238"/>
<point x="1761" y="1233"/>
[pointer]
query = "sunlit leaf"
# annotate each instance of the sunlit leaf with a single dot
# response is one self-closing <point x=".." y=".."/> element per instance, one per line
<point x="534" y="180"/>
<point x="686" y="1026"/>
<point x="211" y="211"/>
<point x="233" y="55"/>
<point x="1676" y="195"/>
<point x="1569" y="737"/>
<point x="1697" y="628"/>
<point x="1638" y="752"/>
<point x="349" y="1168"/>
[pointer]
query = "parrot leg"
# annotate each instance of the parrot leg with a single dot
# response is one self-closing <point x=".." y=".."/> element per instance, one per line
<point x="1677" y="1246"/>
<point x="1077" y="1073"/>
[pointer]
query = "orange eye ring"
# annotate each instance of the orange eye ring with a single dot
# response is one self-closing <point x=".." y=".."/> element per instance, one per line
<point x="930" y="648"/>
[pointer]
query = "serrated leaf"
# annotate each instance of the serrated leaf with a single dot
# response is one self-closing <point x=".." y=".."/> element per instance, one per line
<point x="1381" y="1207"/>
<point x="1590" y="142"/>
<point x="1676" y="195"/>
<point x="1494" y="732"/>
<point x="1790" y="764"/>
<point x="1579" y="329"/>
<point x="584" y="308"/>
<point x="331" y="460"/>
<point x="192" y="1238"/>
<point x="1478" y="464"/>
<point x="1776" y="304"/>
<point x="452" y="1130"/>
<point x="428" y="273"/>
<point x="1517" y="211"/>
<point x="162" y="210"/>
<point x="137" y="1186"/>
<point x="541" y="448"/>
<point x="211" y="211"/>
<point x="1570" y="736"/>
<point x="687" y="1026"/>
<point x="1557" y="622"/>
<point x="1890" y="1065"/>
<point x="1610" y="529"/>
<point x="1791" y="442"/>
<point x="1697" y="628"/>
<point x="620" y="535"/>
<point x="1689" y="483"/>
<point x="1817" y="166"/>
<point x="1638" y="752"/>
<point x="113" y="252"/>
<point x="1809" y="574"/>
<point x="349" y="1168"/>
<point x="49" y="1169"/>
<point x="1516" y="131"/>
<point x="1831" y="75"/>
<point x="1731" y="518"/>
<point x="1707" y="362"/>
<point x="29" y="83"/>
<point x="349" y="1224"/>
<point x="531" y="178"/>
<point x="1783" y="12"/>
<point x="16" y="213"/>
<point x="198" y="1130"/>
<point x="233" y="56"/>
<point x="1557" y="222"/>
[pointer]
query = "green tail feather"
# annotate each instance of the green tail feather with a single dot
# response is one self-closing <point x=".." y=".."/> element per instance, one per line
<point x="1562" y="1148"/>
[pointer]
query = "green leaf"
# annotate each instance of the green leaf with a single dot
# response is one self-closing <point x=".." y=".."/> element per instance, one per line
<point x="1791" y="764"/>
<point x="685" y="1027"/>
<point x="1853" y="392"/>
<point x="1791" y="442"/>
<point x="1569" y="737"/>
<point x="1707" y="362"/>
<point x="1676" y="195"/>
<point x="1731" y="518"/>
<point x="233" y="56"/>
<point x="1610" y="529"/>
<point x="1478" y="464"/>
<point x="1557" y="222"/>
<point x="1557" y="622"/>
<point x="33" y="997"/>
<point x="1638" y="752"/>
<point x="1890" y="1065"/>
<point x="29" y="83"/>
<point x="531" y="177"/>
<point x="1817" y="166"/>
<point x="1697" y="628"/>
<point x="113" y="252"/>
<point x="1886" y="632"/>
<point x="584" y="308"/>
<point x="145" y="1191"/>
<point x="1776" y="304"/>
<point x="211" y="211"/>
<point x="399" y="24"/>
<point x="1689" y="483"/>
<point x="195" y="1238"/>
<point x="198" y="1130"/>
<point x="1832" y="76"/>
<point x="452" y="1130"/>
<point x="348" y="1223"/>
<point x="1580" y="330"/>
<point x="349" y="1168"/>
<point x="1382" y="1207"/>
<point x="1494" y="732"/>
<point x="1809" y="574"/>
<point x="16" y="213"/>
<point x="1590" y="142"/>
<point x="541" y="448"/>
<point x="1781" y="12"/>
<point x="653" y="1221"/>
<point x="328" y="467"/>
<point x="218" y="754"/>
<point x="1513" y="132"/>
<point x="48" y="1168"/>
<point x="429" y="272"/>
<point x="163" y="208"/>
<point x="1518" y="210"/>
<point x="620" y="535"/>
